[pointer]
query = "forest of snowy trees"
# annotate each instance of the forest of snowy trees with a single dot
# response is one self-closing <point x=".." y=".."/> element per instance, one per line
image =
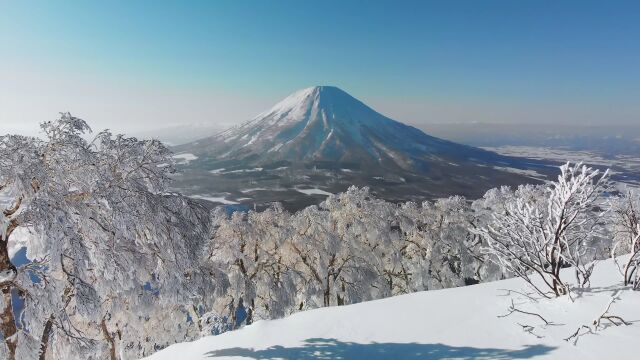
<point x="120" y="268"/>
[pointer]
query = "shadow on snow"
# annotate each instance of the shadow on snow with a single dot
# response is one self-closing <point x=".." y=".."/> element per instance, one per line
<point x="334" y="349"/>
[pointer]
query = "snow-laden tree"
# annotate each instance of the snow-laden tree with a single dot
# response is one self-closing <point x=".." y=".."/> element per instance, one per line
<point x="626" y="228"/>
<point x="493" y="202"/>
<point x="248" y="250"/>
<point x="276" y="289"/>
<point x="403" y="259"/>
<point x="535" y="236"/>
<point x="455" y="250"/>
<point x="351" y="248"/>
<point x="425" y="244"/>
<point x="441" y="250"/>
<point x="354" y="247"/>
<point x="362" y="227"/>
<point x="107" y="247"/>
<point x="322" y="256"/>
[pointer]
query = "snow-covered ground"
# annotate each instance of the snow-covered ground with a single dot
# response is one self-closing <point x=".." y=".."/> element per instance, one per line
<point x="630" y="163"/>
<point x="314" y="191"/>
<point x="530" y="173"/>
<point x="460" y="323"/>
<point x="184" y="158"/>
<point x="618" y="164"/>
<point x="217" y="199"/>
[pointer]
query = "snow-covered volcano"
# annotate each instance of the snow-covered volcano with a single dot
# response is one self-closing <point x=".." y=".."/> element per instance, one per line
<point x="323" y="138"/>
<point x="324" y="123"/>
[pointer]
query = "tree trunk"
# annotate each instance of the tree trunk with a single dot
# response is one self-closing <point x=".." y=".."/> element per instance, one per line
<point x="109" y="338"/>
<point x="5" y="260"/>
<point x="8" y="326"/>
<point x="250" y="312"/>
<point x="339" y="298"/>
<point x="195" y="317"/>
<point x="8" y="322"/>
<point x="630" y="267"/>
<point x="44" y="340"/>
<point x="327" y="292"/>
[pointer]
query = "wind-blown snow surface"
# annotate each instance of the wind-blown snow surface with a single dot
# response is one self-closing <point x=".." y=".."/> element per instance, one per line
<point x="185" y="158"/>
<point x="460" y="323"/>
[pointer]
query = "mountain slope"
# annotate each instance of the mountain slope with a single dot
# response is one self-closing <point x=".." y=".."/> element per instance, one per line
<point x="323" y="138"/>
<point x="459" y="323"/>
<point x="324" y="123"/>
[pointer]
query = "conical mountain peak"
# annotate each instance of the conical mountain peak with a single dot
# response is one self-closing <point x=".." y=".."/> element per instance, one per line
<point x="303" y="101"/>
<point x="325" y="123"/>
<point x="325" y="127"/>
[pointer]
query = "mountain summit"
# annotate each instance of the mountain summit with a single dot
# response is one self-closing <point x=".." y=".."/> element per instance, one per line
<point x="325" y="138"/>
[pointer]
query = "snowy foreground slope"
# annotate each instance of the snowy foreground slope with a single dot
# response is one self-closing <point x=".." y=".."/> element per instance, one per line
<point x="460" y="323"/>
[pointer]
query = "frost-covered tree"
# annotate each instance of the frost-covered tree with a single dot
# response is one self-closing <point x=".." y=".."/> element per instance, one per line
<point x="402" y="259"/>
<point x="425" y="244"/>
<point x="351" y="248"/>
<point x="280" y="263"/>
<point x="248" y="248"/>
<point x="362" y="226"/>
<point x="108" y="248"/>
<point x="322" y="256"/>
<point x="535" y="236"/>
<point x="626" y="228"/>
<point x="484" y="209"/>
<point x="119" y="268"/>
<point x="455" y="250"/>
<point x="276" y="289"/>
<point x="354" y="247"/>
<point x="436" y="246"/>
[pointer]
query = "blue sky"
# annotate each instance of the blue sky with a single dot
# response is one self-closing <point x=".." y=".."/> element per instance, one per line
<point x="128" y="64"/>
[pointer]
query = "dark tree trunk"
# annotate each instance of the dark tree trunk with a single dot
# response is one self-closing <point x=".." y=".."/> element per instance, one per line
<point x="327" y="292"/>
<point x="8" y="326"/>
<point x="110" y="341"/>
<point x="339" y="298"/>
<point x="44" y="341"/>
<point x="250" y="312"/>
<point x="8" y="322"/>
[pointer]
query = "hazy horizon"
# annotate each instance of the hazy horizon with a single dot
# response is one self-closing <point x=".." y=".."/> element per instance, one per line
<point x="239" y="112"/>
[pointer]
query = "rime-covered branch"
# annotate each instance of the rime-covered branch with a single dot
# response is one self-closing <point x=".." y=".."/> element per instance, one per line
<point x="536" y="236"/>
<point x="101" y="239"/>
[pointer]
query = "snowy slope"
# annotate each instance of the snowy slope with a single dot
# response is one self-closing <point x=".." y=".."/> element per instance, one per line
<point x="458" y="323"/>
